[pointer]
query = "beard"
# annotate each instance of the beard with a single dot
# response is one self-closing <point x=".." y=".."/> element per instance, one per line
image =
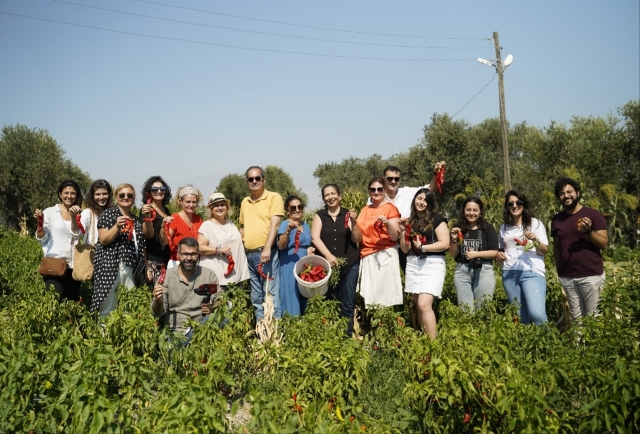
<point x="572" y="205"/>
<point x="188" y="265"/>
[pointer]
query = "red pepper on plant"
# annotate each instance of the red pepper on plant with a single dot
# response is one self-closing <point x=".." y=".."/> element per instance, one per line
<point x="467" y="414"/>
<point x="231" y="265"/>
<point x="264" y="276"/>
<point x="79" y="223"/>
<point x="152" y="212"/>
<point x="440" y="178"/>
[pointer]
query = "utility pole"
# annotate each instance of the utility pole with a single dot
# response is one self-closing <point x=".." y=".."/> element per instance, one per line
<point x="503" y="115"/>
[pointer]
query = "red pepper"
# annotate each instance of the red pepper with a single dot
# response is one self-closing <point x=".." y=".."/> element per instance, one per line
<point x="79" y="223"/>
<point x="313" y="273"/>
<point x="231" y="265"/>
<point x="407" y="235"/>
<point x="467" y="414"/>
<point x="128" y="229"/>
<point x="264" y="276"/>
<point x="521" y="242"/>
<point x="152" y="212"/>
<point x="460" y="237"/>
<point x="163" y="274"/>
<point x="440" y="178"/>
<point x="40" y="222"/>
<point x="296" y="240"/>
<point x="167" y="232"/>
<point x="347" y="219"/>
<point x="379" y="227"/>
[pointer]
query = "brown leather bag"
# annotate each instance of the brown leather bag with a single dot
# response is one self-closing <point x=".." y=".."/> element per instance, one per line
<point x="53" y="267"/>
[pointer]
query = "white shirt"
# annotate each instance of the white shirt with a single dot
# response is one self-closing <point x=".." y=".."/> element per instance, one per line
<point x="58" y="240"/>
<point x="403" y="199"/>
<point x="517" y="258"/>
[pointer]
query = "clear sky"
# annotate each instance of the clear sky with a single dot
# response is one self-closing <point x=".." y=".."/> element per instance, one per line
<point x="125" y="107"/>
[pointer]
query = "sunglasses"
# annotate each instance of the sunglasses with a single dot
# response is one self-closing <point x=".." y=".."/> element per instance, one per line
<point x="256" y="178"/>
<point x="127" y="195"/>
<point x="374" y="189"/>
<point x="158" y="189"/>
<point x="294" y="208"/>
<point x="393" y="178"/>
<point x="516" y="203"/>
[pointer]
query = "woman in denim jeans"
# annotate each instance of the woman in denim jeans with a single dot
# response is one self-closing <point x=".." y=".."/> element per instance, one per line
<point x="523" y="243"/>
<point x="474" y="245"/>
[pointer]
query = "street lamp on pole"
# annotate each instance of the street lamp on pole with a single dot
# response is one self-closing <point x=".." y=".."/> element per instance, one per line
<point x="500" y="68"/>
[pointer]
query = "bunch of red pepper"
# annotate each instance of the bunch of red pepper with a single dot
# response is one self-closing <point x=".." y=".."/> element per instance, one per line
<point x="79" y="223"/>
<point x="152" y="213"/>
<point x="128" y="228"/>
<point x="520" y="242"/>
<point x="40" y="222"/>
<point x="409" y="235"/>
<point x="440" y="178"/>
<point x="230" y="266"/>
<point x="313" y="273"/>
<point x="379" y="228"/>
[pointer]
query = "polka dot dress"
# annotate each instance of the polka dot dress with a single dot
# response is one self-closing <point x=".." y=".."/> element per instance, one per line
<point x="107" y="259"/>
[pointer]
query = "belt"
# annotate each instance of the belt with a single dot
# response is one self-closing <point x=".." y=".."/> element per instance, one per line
<point x="257" y="250"/>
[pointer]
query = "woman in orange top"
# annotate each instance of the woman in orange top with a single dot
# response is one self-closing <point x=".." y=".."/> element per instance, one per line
<point x="377" y="230"/>
<point x="184" y="224"/>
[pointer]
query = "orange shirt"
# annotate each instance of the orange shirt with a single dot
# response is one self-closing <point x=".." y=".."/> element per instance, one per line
<point x="371" y="241"/>
<point x="182" y="230"/>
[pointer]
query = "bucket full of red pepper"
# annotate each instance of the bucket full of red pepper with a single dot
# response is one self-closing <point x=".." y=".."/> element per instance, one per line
<point x="312" y="274"/>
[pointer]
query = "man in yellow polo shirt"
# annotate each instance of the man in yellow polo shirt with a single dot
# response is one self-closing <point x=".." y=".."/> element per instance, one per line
<point x="260" y="216"/>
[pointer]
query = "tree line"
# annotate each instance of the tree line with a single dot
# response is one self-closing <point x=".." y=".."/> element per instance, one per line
<point x="603" y="153"/>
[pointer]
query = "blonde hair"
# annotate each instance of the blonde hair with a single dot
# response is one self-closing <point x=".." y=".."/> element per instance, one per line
<point x="186" y="190"/>
<point x="125" y="185"/>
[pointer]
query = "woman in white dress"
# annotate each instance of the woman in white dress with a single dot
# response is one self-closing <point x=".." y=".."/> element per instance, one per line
<point x="221" y="244"/>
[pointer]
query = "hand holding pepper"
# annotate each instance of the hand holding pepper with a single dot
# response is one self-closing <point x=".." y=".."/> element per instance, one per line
<point x="40" y="216"/>
<point x="584" y="224"/>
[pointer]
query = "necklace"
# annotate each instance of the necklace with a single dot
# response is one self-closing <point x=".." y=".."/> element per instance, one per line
<point x="333" y="214"/>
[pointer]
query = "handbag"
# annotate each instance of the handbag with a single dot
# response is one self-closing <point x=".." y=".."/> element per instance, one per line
<point x="83" y="258"/>
<point x="140" y="273"/>
<point x="53" y="267"/>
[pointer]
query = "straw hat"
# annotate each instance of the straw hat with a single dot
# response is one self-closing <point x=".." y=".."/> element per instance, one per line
<point x="217" y="197"/>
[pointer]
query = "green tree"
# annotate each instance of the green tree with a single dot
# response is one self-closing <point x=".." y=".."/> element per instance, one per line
<point x="32" y="165"/>
<point x="351" y="173"/>
<point x="630" y="163"/>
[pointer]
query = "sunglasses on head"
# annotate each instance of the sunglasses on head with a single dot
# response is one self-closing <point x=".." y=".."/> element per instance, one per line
<point x="252" y="178"/>
<point x="157" y="189"/>
<point x="294" y="208"/>
<point x="516" y="203"/>
<point x="393" y="178"/>
<point x="374" y="189"/>
<point x="127" y="195"/>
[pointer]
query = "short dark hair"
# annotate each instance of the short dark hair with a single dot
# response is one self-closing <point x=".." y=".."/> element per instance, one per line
<point x="390" y="168"/>
<point x="91" y="203"/>
<point x="146" y="189"/>
<point x="189" y="242"/>
<point x="290" y="199"/>
<point x="327" y="186"/>
<point x="246" y="173"/>
<point x="560" y="183"/>
<point x="69" y="183"/>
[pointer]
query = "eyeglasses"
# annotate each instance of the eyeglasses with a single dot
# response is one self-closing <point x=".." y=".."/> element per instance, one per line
<point x="189" y="254"/>
<point x="374" y="189"/>
<point x="159" y="189"/>
<point x="393" y="178"/>
<point x="252" y="178"/>
<point x="517" y="203"/>
<point x="294" y="208"/>
<point x="127" y="195"/>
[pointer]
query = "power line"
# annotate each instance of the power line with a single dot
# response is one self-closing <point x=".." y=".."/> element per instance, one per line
<point x="261" y="33"/>
<point x="485" y="86"/>
<point x="234" y="46"/>
<point x="302" y="25"/>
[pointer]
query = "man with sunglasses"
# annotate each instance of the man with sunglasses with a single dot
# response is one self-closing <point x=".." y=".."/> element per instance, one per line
<point x="189" y="291"/>
<point x="579" y="234"/>
<point x="401" y="197"/>
<point x="260" y="216"/>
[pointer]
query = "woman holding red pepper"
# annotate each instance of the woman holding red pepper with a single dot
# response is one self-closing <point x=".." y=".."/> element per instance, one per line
<point x="157" y="193"/>
<point x="474" y="278"/>
<point x="377" y="231"/>
<point x="221" y="247"/>
<point x="523" y="244"/>
<point x="294" y="242"/>
<point x="425" y="239"/>
<point x="182" y="224"/>
<point x="331" y="236"/>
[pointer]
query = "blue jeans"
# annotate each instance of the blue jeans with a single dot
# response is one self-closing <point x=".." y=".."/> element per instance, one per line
<point x="528" y="290"/>
<point x="345" y="293"/>
<point x="257" y="283"/>
<point x="473" y="284"/>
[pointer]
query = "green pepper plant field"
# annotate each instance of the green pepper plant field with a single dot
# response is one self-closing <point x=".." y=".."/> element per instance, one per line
<point x="63" y="371"/>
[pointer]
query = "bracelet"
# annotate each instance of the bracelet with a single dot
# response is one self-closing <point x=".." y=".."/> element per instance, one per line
<point x="219" y="247"/>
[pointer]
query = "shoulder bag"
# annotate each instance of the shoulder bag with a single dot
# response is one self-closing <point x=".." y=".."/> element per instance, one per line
<point x="83" y="256"/>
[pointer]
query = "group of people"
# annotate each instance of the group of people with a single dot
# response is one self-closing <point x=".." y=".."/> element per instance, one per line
<point x="188" y="261"/>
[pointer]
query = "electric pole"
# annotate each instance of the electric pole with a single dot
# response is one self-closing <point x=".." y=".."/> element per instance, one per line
<point x="503" y="115"/>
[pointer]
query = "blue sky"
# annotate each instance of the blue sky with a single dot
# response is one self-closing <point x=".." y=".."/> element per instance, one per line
<point x="125" y="107"/>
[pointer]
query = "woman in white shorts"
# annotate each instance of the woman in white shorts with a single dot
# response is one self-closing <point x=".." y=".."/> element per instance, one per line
<point x="425" y="240"/>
